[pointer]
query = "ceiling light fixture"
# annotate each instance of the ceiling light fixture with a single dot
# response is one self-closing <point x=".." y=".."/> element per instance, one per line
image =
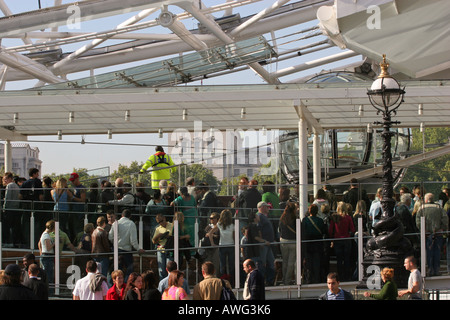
<point x="243" y="113"/>
<point x="361" y="110"/>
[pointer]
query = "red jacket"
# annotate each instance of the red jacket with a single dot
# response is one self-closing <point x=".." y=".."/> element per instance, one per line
<point x="342" y="229"/>
<point x="112" y="293"/>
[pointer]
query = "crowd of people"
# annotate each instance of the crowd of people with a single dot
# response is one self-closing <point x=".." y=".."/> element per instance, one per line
<point x="267" y="226"/>
<point x="31" y="282"/>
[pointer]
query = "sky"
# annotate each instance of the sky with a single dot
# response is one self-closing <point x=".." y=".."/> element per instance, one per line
<point x="63" y="157"/>
<point x="99" y="151"/>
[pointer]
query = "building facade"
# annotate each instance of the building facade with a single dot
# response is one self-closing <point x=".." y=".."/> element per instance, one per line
<point x="24" y="157"/>
<point x="227" y="154"/>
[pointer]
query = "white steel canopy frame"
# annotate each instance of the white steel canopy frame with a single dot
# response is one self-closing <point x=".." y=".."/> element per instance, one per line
<point x="40" y="45"/>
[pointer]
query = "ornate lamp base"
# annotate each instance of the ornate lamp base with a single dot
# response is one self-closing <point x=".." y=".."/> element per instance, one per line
<point x="387" y="248"/>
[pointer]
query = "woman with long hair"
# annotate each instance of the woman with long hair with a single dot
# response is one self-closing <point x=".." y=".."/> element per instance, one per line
<point x="342" y="229"/>
<point x="133" y="290"/>
<point x="175" y="290"/>
<point x="171" y="193"/>
<point x="361" y="212"/>
<point x="62" y="197"/>
<point x="226" y="244"/>
<point x="150" y="286"/>
<point x="183" y="237"/>
<point x="313" y="231"/>
<point x="288" y="237"/>
<point x="179" y="216"/>
<point x="47" y="250"/>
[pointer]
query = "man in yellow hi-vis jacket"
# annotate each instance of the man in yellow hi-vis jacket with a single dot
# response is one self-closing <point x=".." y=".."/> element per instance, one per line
<point x="158" y="160"/>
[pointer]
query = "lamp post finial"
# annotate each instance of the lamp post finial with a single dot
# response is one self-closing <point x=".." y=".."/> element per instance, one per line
<point x="384" y="68"/>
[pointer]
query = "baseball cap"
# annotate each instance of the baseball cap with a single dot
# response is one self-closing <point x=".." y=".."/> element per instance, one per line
<point x="12" y="269"/>
<point x="73" y="176"/>
<point x="261" y="204"/>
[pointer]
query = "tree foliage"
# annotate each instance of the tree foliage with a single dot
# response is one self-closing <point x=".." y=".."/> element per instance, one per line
<point x="131" y="174"/>
<point x="262" y="175"/>
<point x="82" y="172"/>
<point x="198" y="172"/>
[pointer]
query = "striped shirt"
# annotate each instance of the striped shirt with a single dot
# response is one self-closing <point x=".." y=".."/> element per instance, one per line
<point x="338" y="296"/>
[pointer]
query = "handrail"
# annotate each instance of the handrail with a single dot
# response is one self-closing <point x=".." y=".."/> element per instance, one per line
<point x="149" y="252"/>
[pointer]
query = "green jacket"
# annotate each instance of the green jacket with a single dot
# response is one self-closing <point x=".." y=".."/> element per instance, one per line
<point x="388" y="292"/>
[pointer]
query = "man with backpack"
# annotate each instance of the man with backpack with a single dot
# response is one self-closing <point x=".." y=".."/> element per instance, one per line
<point x="157" y="161"/>
<point x="211" y="287"/>
<point x="128" y="201"/>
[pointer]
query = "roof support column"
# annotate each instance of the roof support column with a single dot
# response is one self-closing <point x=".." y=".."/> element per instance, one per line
<point x="317" y="170"/>
<point x="8" y="156"/>
<point x="3" y="72"/>
<point x="307" y="120"/>
<point x="303" y="166"/>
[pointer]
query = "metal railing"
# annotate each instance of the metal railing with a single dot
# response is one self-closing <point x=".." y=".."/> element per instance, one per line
<point x="35" y="209"/>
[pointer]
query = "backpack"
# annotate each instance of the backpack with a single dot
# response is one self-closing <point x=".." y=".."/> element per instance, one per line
<point x="227" y="293"/>
<point x="138" y="205"/>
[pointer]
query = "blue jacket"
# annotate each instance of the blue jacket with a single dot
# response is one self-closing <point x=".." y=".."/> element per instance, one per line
<point x="256" y="285"/>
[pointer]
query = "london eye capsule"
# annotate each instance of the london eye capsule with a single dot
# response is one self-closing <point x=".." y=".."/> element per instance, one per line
<point x="343" y="152"/>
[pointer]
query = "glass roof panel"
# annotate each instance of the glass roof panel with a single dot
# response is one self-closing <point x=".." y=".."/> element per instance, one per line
<point x="177" y="70"/>
<point x="333" y="77"/>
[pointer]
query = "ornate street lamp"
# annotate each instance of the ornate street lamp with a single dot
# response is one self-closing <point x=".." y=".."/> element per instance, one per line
<point x="386" y="96"/>
<point x="388" y="247"/>
<point x="385" y="93"/>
